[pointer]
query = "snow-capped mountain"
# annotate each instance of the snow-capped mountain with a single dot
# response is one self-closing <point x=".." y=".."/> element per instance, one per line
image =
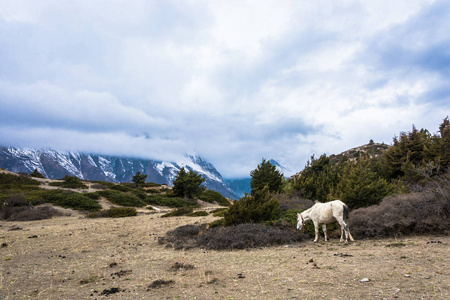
<point x="56" y="164"/>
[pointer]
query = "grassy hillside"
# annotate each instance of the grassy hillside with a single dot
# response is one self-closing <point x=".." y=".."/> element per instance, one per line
<point x="22" y="196"/>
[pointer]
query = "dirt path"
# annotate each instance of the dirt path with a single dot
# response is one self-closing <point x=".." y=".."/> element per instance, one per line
<point x="79" y="258"/>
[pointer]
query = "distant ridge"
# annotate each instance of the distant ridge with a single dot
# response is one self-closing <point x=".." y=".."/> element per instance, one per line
<point x="372" y="149"/>
<point x="55" y="164"/>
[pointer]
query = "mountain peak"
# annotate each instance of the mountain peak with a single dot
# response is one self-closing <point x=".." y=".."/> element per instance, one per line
<point x="55" y="164"/>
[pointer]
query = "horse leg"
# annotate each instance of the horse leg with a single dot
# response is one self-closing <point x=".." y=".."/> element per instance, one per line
<point x="350" y="235"/>
<point x="316" y="229"/>
<point x="324" y="227"/>
<point x="347" y="232"/>
<point x="344" y="228"/>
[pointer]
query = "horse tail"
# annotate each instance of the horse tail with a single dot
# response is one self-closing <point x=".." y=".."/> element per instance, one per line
<point x="345" y="216"/>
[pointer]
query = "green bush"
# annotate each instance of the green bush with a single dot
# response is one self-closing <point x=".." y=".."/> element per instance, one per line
<point x="217" y="223"/>
<point x="68" y="199"/>
<point x="122" y="199"/>
<point x="119" y="187"/>
<point x="10" y="180"/>
<point x="153" y="191"/>
<point x="211" y="196"/>
<point x="220" y="212"/>
<point x="139" y="193"/>
<point x="104" y="183"/>
<point x="257" y="208"/>
<point x="114" y="212"/>
<point x="182" y="211"/>
<point x="200" y="213"/>
<point x="27" y="194"/>
<point x="94" y="196"/>
<point x="36" y="174"/>
<point x="290" y="216"/>
<point x="70" y="182"/>
<point x="165" y="200"/>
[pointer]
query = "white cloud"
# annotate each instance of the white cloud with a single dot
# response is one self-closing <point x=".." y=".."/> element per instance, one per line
<point x="235" y="81"/>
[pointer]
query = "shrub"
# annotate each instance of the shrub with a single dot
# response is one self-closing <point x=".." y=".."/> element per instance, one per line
<point x="122" y="199"/>
<point x="256" y="208"/>
<point x="33" y="214"/>
<point x="182" y="211"/>
<point x="414" y="213"/>
<point x="139" y="193"/>
<point x="11" y="180"/>
<point x="200" y="213"/>
<point x="153" y="191"/>
<point x="217" y="223"/>
<point x="70" y="182"/>
<point x="114" y="212"/>
<point x="36" y="174"/>
<point x="220" y="212"/>
<point x="182" y="237"/>
<point x="211" y="196"/>
<point x="107" y="184"/>
<point x="99" y="186"/>
<point x="68" y="199"/>
<point x="119" y="187"/>
<point x="165" y="200"/>
<point x="228" y="238"/>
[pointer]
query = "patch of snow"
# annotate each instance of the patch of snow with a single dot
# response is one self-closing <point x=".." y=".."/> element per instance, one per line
<point x="91" y="161"/>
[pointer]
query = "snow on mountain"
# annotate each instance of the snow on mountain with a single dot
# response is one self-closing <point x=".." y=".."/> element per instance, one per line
<point x="279" y="166"/>
<point x="56" y="164"/>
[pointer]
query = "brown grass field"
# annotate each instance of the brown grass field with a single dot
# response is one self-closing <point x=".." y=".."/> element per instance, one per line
<point x="74" y="257"/>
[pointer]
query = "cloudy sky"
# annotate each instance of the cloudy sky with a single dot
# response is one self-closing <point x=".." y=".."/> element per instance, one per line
<point x="233" y="81"/>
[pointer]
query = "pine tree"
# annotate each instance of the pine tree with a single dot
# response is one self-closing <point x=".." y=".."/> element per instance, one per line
<point x="264" y="175"/>
<point x="361" y="186"/>
<point x="139" y="178"/>
<point x="187" y="184"/>
<point x="444" y="130"/>
<point x="259" y="207"/>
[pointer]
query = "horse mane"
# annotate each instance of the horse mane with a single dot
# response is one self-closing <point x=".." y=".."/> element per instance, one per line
<point x="306" y="211"/>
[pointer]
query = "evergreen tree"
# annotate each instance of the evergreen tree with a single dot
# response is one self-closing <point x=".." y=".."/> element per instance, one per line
<point x="444" y="130"/>
<point x="139" y="178"/>
<point x="318" y="179"/>
<point x="188" y="184"/>
<point x="361" y="186"/>
<point x="259" y="207"/>
<point x="264" y="175"/>
<point x="36" y="174"/>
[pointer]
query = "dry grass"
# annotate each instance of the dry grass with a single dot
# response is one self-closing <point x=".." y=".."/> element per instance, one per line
<point x="80" y="258"/>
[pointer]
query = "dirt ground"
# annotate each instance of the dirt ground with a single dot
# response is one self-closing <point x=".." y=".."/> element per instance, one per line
<point x="79" y="258"/>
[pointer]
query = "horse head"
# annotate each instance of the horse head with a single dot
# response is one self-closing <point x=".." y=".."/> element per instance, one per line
<point x="300" y="221"/>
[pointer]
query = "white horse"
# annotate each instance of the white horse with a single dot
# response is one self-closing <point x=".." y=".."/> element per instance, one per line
<point x="325" y="213"/>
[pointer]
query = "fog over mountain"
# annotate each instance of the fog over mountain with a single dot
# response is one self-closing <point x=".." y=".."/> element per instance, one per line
<point x="55" y="164"/>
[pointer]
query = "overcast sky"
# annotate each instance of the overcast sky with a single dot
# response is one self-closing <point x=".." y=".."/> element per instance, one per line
<point x="233" y="81"/>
